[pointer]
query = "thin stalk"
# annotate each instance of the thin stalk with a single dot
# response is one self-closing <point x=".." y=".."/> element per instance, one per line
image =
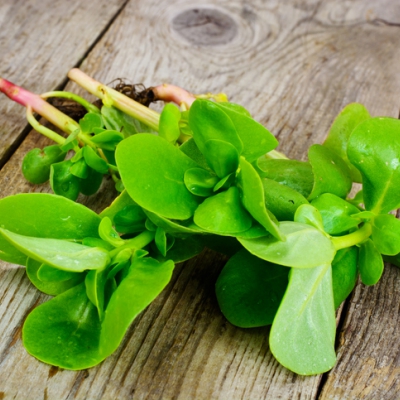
<point x="138" y="242"/>
<point x="354" y="238"/>
<point x="41" y="128"/>
<point x="275" y="155"/>
<point x="40" y="106"/>
<point x="118" y="100"/>
<point x="72" y="96"/>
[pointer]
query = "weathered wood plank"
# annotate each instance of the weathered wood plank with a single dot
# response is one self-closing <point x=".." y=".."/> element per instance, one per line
<point x="294" y="65"/>
<point x="39" y="42"/>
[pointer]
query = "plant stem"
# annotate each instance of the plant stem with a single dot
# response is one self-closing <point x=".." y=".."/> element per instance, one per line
<point x="72" y="96"/>
<point x="138" y="242"/>
<point x="118" y="100"/>
<point x="42" y="107"/>
<point x="41" y="128"/>
<point x="174" y="94"/>
<point x="275" y="155"/>
<point x="354" y="238"/>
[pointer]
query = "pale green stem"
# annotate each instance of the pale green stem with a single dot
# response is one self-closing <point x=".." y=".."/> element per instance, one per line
<point x="129" y="106"/>
<point x="41" y="128"/>
<point x="275" y="155"/>
<point x="354" y="238"/>
<point x="138" y="242"/>
<point x="72" y="96"/>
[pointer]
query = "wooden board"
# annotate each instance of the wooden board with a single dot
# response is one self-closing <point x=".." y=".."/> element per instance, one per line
<point x="294" y="65"/>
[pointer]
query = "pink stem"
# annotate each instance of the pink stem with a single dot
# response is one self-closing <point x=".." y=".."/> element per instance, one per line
<point x="42" y="107"/>
<point x="173" y="93"/>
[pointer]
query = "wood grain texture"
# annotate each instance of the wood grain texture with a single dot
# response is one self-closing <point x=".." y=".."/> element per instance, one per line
<point x="39" y="42"/>
<point x="294" y="65"/>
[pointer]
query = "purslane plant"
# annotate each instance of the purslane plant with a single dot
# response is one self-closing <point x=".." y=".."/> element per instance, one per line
<point x="211" y="170"/>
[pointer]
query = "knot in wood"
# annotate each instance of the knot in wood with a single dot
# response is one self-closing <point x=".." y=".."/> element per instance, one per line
<point x="205" y="26"/>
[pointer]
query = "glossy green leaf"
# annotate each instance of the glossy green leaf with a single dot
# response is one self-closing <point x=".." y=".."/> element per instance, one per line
<point x="182" y="249"/>
<point x="249" y="290"/>
<point x="331" y="174"/>
<point x="234" y="107"/>
<point x="144" y="282"/>
<point x="252" y="194"/>
<point x="119" y="203"/>
<point x="344" y="273"/>
<point x="295" y="174"/>
<point x="348" y="119"/>
<point x="49" y="274"/>
<point x="130" y="219"/>
<point x="57" y="253"/>
<point x="52" y="288"/>
<point x="80" y="169"/>
<point x="374" y="148"/>
<point x="281" y="200"/>
<point x="223" y="213"/>
<point x="36" y="163"/>
<point x="200" y="182"/>
<point x="90" y="121"/>
<point x="302" y="336"/>
<point x="43" y="215"/>
<point x="92" y="183"/>
<point x="307" y="214"/>
<point x="62" y="181"/>
<point x="386" y="234"/>
<point x="161" y="189"/>
<point x="336" y="214"/>
<point x="370" y="263"/>
<point x="208" y="121"/>
<point x="95" y="283"/>
<point x="225" y="182"/>
<point x="96" y="242"/>
<point x="221" y="156"/>
<point x="173" y="227"/>
<point x="94" y="161"/>
<point x="192" y="151"/>
<point x="65" y="331"/>
<point x="117" y="120"/>
<point x="108" y="233"/>
<point x="169" y="123"/>
<point x="304" y="247"/>
<point x="256" y="139"/>
<point x="108" y="139"/>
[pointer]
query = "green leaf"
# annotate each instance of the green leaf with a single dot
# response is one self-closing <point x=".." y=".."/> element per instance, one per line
<point x="117" y="120"/>
<point x="62" y="181"/>
<point x="145" y="281"/>
<point x="119" y="203"/>
<point x="370" y="263"/>
<point x="252" y="193"/>
<point x="374" y="148"/>
<point x="200" y="182"/>
<point x="208" y="121"/>
<point x="169" y="123"/>
<point x="94" y="161"/>
<point x="95" y="283"/>
<point x="57" y="253"/>
<point x="344" y="274"/>
<point x="295" y="174"/>
<point x="249" y="290"/>
<point x="182" y="249"/>
<point x="340" y="131"/>
<point x="52" y="288"/>
<point x="80" y="169"/>
<point x="331" y="174"/>
<point x="307" y="214"/>
<point x="92" y="183"/>
<point x="161" y="189"/>
<point x="130" y="219"/>
<point x="43" y="215"/>
<point x="256" y="139"/>
<point x="223" y="213"/>
<point x="65" y="331"/>
<point x="304" y="247"/>
<point x="89" y="122"/>
<point x="282" y="200"/>
<point x="386" y="234"/>
<point x="108" y="233"/>
<point x="221" y="156"/>
<point x="108" y="139"/>
<point x="192" y="151"/>
<point x="336" y="214"/>
<point x="302" y="336"/>
<point x="50" y="274"/>
<point x="36" y="163"/>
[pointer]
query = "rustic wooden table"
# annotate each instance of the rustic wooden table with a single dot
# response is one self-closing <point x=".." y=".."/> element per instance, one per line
<point x="294" y="64"/>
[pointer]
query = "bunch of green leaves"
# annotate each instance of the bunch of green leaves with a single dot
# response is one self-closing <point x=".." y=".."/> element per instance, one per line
<point x="91" y="148"/>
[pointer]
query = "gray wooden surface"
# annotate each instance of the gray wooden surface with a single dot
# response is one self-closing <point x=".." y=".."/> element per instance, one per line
<point x="294" y="65"/>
